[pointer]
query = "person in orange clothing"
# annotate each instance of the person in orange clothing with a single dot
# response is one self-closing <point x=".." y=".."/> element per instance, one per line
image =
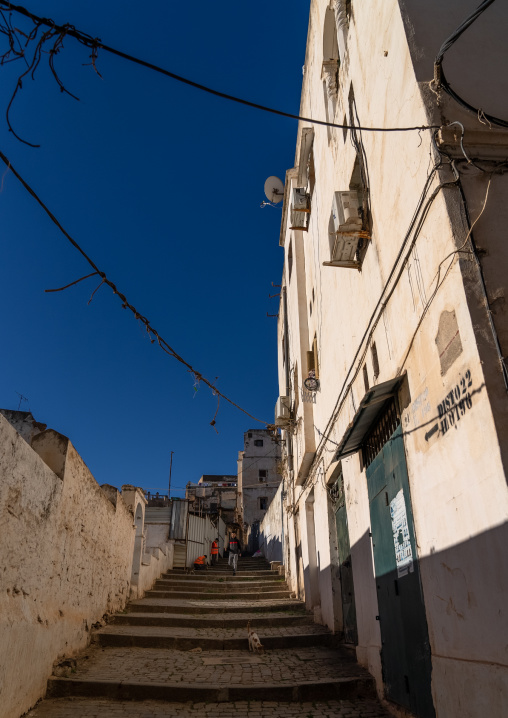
<point x="200" y="563"/>
<point x="215" y="551"/>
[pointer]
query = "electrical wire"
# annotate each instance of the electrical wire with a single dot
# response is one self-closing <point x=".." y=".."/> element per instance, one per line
<point x="498" y="168"/>
<point x="440" y="281"/>
<point x="95" y="44"/>
<point x="152" y="333"/>
<point x="440" y="80"/>
<point x="416" y="224"/>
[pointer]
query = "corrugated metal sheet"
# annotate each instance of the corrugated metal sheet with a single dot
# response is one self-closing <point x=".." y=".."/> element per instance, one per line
<point x="177" y="528"/>
<point x="221" y="533"/>
<point x="200" y="534"/>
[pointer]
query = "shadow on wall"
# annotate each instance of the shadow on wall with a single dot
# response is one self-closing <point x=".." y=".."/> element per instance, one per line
<point x="443" y="619"/>
<point x="271" y="548"/>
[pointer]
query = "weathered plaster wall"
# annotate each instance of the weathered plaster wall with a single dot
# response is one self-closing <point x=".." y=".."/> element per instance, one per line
<point x="270" y="530"/>
<point x="24" y="423"/>
<point x="456" y="473"/>
<point x="66" y="556"/>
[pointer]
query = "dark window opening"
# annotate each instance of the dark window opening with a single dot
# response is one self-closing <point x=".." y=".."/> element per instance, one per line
<point x="311" y="174"/>
<point x="262" y="474"/>
<point x="375" y="360"/>
<point x="258" y="442"/>
<point x="384" y="427"/>
<point x="366" y="378"/>
<point x="295" y="388"/>
<point x="313" y="359"/>
<point x="250" y="435"/>
<point x="290" y="261"/>
<point x="263" y="503"/>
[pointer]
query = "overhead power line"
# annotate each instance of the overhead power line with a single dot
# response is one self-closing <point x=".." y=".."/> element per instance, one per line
<point x="439" y="75"/>
<point x="95" y="43"/>
<point x="152" y="333"/>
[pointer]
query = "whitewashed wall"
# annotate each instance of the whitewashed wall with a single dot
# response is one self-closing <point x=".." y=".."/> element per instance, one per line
<point x="271" y="530"/>
<point x="457" y="478"/>
<point x="66" y="553"/>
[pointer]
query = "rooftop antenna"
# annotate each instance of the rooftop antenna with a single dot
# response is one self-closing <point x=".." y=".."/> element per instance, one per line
<point x="274" y="191"/>
<point x="21" y="398"/>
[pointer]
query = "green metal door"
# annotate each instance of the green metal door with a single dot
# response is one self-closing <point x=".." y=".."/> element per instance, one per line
<point x="346" y="567"/>
<point x="405" y="651"/>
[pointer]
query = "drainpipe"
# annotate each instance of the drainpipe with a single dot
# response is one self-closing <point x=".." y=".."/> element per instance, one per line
<point x="289" y="438"/>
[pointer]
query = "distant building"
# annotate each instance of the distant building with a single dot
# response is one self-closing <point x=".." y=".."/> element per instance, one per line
<point x="258" y="482"/>
<point x="214" y="494"/>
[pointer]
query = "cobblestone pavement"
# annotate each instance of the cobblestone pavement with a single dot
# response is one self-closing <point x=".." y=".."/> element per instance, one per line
<point x="144" y="673"/>
<point x="80" y="708"/>
<point x="152" y="665"/>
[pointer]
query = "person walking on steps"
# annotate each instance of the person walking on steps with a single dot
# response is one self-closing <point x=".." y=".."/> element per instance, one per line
<point x="215" y="551"/>
<point x="234" y="549"/>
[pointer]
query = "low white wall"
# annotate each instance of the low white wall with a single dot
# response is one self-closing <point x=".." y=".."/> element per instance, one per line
<point x="156" y="561"/>
<point x="271" y="530"/>
<point x="159" y="550"/>
<point x="66" y="554"/>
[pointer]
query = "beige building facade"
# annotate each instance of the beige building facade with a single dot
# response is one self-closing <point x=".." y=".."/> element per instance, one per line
<point x="258" y="480"/>
<point x="392" y="335"/>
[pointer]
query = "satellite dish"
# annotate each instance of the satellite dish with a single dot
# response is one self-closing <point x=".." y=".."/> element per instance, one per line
<point x="274" y="189"/>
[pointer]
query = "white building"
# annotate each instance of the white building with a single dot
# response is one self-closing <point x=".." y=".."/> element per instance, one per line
<point x="392" y="332"/>
<point x="258" y="480"/>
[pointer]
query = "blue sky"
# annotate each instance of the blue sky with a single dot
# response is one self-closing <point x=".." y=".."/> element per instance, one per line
<point x="161" y="185"/>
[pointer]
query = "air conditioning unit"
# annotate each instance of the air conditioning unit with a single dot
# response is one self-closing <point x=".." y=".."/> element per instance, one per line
<point x="345" y="212"/>
<point x="346" y="232"/>
<point x="282" y="411"/>
<point x="300" y="209"/>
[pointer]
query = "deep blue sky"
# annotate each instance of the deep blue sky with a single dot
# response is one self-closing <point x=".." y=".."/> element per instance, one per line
<point x="161" y="185"/>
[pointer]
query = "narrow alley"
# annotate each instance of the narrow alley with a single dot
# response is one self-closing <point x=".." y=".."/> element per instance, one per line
<point x="183" y="650"/>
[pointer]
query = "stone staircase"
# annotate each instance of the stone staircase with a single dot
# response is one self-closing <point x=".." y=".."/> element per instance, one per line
<point x="186" y="642"/>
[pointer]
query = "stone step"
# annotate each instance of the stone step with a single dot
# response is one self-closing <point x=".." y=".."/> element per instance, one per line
<point x="229" y="572"/>
<point x="232" y="620"/>
<point x="211" y="595"/>
<point x="216" y="607"/>
<point x="212" y="639"/>
<point x="342" y="689"/>
<point x="226" y="567"/>
<point x="99" y="708"/>
<point x="220" y="586"/>
<point x="305" y="674"/>
<point x="213" y="576"/>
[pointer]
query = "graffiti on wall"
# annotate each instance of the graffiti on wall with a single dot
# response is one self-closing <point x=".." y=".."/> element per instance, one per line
<point x="454" y="406"/>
